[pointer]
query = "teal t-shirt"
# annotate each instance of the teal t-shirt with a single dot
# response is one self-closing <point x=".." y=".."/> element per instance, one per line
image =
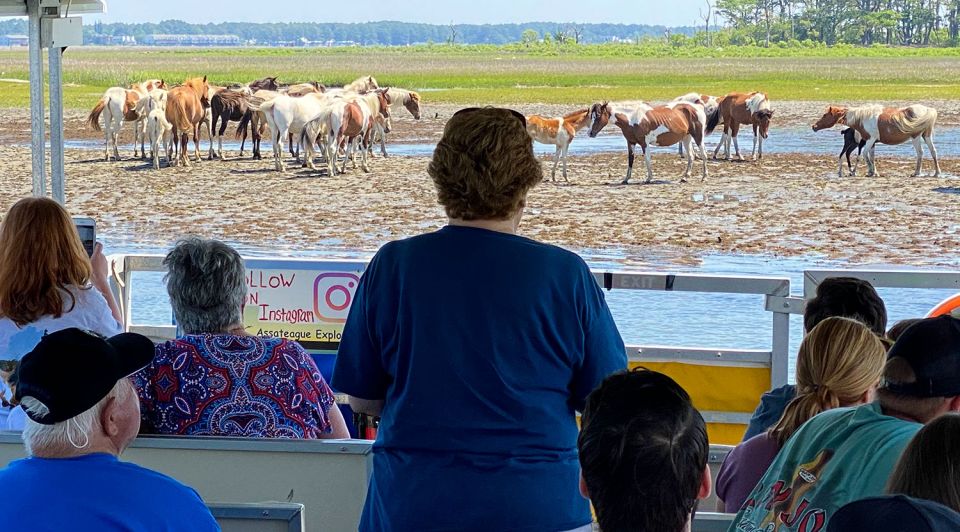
<point x="839" y="456"/>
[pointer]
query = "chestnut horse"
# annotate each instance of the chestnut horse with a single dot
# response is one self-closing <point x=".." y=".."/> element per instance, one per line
<point x="186" y="109"/>
<point x="886" y="125"/>
<point x="558" y="132"/>
<point x="660" y="126"/>
<point x="738" y="109"/>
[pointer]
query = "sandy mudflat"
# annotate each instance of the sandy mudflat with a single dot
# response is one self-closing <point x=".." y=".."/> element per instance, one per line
<point x="787" y="205"/>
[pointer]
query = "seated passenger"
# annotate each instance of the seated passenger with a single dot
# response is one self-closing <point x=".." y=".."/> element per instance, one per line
<point x="217" y="380"/>
<point x="930" y="465"/>
<point x="47" y="283"/>
<point x="82" y="413"/>
<point x="478" y="345"/>
<point x="894" y="513"/>
<point x="899" y="327"/>
<point x="844" y="297"/>
<point x="839" y="364"/>
<point x="847" y="454"/>
<point x="643" y="453"/>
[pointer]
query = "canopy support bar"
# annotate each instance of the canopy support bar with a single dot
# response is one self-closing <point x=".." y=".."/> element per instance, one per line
<point x="36" y="100"/>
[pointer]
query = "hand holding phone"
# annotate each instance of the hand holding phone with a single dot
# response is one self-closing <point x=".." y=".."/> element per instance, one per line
<point x="87" y="229"/>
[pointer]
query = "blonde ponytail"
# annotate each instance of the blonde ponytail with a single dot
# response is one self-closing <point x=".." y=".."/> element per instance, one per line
<point x="839" y="360"/>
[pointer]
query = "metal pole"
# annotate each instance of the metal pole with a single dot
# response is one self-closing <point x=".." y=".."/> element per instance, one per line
<point x="55" y="56"/>
<point x="780" y="363"/>
<point x="36" y="99"/>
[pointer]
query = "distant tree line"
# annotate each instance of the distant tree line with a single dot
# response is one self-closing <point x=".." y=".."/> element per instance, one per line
<point x="377" y="33"/>
<point x="864" y="22"/>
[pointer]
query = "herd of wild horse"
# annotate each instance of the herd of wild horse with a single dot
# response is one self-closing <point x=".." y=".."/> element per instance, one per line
<point x="349" y="121"/>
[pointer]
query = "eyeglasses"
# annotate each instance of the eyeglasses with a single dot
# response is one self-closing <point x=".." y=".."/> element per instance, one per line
<point x="519" y="116"/>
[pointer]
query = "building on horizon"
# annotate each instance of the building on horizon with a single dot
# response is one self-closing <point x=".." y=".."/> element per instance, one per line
<point x="190" y="40"/>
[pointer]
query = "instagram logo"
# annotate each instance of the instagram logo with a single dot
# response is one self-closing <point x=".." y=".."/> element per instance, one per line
<point x="332" y="295"/>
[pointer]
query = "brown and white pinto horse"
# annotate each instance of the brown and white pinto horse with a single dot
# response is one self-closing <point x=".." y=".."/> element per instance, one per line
<point x="186" y="109"/>
<point x="660" y="126"/>
<point x="558" y="132"/>
<point x="711" y="107"/>
<point x="736" y="109"/>
<point x="886" y="125"/>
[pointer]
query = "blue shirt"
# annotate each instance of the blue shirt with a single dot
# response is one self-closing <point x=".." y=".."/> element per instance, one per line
<point x="770" y="410"/>
<point x="483" y="345"/>
<point x="97" y="492"/>
<point x="838" y="456"/>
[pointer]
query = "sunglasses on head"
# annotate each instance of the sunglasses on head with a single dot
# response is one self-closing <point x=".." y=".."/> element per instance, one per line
<point x="520" y="117"/>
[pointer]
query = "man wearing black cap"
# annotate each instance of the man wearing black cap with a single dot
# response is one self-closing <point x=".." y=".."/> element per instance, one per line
<point x="846" y="454"/>
<point x="82" y="413"/>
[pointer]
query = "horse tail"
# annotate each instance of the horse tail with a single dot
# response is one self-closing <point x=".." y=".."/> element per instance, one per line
<point x="244" y="123"/>
<point x="713" y="118"/>
<point x="93" y="119"/>
<point x="916" y="119"/>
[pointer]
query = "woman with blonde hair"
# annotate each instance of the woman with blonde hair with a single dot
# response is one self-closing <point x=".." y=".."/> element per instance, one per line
<point x="47" y="283"/>
<point x="477" y="346"/>
<point x="839" y="364"/>
<point x="929" y="467"/>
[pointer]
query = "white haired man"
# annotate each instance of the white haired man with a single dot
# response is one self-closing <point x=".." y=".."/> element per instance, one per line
<point x="82" y="413"/>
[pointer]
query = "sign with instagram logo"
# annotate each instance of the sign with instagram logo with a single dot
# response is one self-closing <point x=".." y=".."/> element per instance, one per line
<point x="303" y="300"/>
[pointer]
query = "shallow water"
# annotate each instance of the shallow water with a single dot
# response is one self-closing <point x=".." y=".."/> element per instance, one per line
<point x="793" y="139"/>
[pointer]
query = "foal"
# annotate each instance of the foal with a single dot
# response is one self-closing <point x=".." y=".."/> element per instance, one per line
<point x="660" y="126"/>
<point x="559" y="132"/>
<point x="886" y="125"/>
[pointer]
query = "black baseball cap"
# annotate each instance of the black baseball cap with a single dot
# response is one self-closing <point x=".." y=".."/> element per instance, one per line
<point x="894" y="513"/>
<point x="932" y="349"/>
<point x="72" y="370"/>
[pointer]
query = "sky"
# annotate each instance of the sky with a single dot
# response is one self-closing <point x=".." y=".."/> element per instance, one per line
<point x="680" y="12"/>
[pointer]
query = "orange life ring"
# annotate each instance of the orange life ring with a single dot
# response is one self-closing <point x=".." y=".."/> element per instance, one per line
<point x="950" y="305"/>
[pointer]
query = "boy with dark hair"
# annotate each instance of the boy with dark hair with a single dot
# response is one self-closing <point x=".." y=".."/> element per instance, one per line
<point x="643" y="453"/>
<point x="844" y="297"/>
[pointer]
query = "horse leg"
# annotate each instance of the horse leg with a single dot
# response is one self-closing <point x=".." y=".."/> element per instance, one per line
<point x="919" y="148"/>
<point x="646" y="160"/>
<point x="629" y="163"/>
<point x="928" y="139"/>
<point x="383" y="141"/>
<point x="363" y="154"/>
<point x="556" y="161"/>
<point x="564" y="159"/>
<point x="868" y="155"/>
<point x="756" y="140"/>
<point x="734" y="130"/>
<point x="687" y="142"/>
<point x="703" y="160"/>
<point x="680" y="149"/>
<point x="723" y="139"/>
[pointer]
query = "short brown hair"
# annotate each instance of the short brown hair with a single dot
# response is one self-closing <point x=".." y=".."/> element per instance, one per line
<point x="40" y="256"/>
<point x="484" y="165"/>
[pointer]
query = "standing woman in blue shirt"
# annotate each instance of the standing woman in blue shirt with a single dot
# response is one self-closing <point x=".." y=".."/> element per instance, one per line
<point x="476" y="346"/>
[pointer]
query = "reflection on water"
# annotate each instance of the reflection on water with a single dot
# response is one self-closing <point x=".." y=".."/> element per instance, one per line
<point x="652" y="318"/>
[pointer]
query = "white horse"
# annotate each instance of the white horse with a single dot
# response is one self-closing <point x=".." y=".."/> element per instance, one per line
<point x="286" y="115"/>
<point x="362" y="84"/>
<point x="116" y="105"/>
<point x="159" y="130"/>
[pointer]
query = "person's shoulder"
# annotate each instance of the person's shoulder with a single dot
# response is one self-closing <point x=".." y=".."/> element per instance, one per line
<point x="158" y="483"/>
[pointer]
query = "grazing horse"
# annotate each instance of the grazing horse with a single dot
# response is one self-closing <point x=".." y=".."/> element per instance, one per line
<point x="117" y="105"/>
<point x="225" y="106"/>
<point x="286" y="115"/>
<point x="558" y="132"/>
<point x="738" y="109"/>
<point x="886" y="125"/>
<point x="186" y="109"/>
<point x="660" y="126"/>
<point x="851" y="140"/>
<point x="362" y="84"/>
<point x="711" y="107"/>
<point x="408" y="100"/>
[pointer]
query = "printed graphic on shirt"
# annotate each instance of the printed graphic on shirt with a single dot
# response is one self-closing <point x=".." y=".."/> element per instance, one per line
<point x="786" y="506"/>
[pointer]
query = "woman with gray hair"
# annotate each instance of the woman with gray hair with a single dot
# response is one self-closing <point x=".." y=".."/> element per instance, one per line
<point x="215" y="379"/>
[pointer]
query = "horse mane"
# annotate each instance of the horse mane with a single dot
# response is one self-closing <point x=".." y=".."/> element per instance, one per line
<point x="572" y="114"/>
<point x="757" y="101"/>
<point x="856" y="115"/>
